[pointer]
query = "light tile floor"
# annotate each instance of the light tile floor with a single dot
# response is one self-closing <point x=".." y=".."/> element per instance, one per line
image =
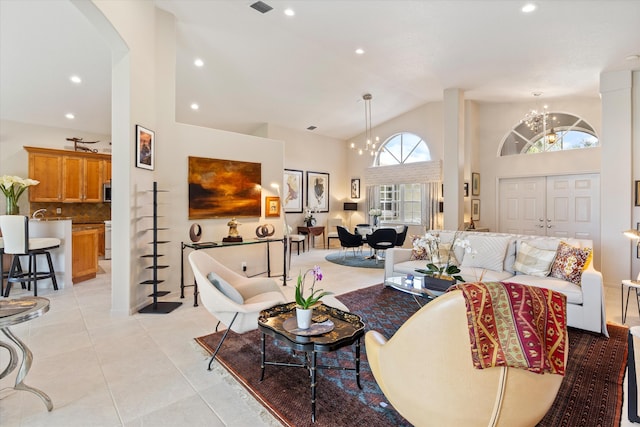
<point x="146" y="370"/>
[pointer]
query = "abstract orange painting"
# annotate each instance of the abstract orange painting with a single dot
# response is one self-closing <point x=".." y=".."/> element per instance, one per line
<point x="224" y="188"/>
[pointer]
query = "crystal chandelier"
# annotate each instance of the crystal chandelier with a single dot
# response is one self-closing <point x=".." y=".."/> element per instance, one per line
<point x="538" y="121"/>
<point x="370" y="144"/>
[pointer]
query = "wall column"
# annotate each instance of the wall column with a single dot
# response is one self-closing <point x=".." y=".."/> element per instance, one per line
<point x="453" y="165"/>
<point x="616" y="175"/>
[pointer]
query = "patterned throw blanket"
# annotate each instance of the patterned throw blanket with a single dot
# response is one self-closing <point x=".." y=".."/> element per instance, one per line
<point x="516" y="325"/>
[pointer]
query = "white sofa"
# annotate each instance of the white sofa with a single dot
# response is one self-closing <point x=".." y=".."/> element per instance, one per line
<point x="493" y="258"/>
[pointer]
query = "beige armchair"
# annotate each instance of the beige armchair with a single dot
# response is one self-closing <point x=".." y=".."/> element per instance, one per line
<point x="235" y="300"/>
<point x="426" y="372"/>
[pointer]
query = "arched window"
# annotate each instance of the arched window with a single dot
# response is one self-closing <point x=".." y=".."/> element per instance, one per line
<point x="563" y="131"/>
<point x="402" y="148"/>
<point x="400" y="200"/>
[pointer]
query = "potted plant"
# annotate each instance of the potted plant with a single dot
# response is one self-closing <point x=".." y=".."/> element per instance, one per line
<point x="305" y="306"/>
<point x="441" y="266"/>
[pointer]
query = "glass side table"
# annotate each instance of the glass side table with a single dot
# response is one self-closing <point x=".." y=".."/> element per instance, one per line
<point x="13" y="312"/>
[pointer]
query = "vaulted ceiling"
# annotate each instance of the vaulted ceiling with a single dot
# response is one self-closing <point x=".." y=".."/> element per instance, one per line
<point x="302" y="70"/>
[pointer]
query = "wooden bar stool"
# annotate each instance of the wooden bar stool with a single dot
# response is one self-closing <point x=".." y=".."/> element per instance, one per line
<point x="15" y="233"/>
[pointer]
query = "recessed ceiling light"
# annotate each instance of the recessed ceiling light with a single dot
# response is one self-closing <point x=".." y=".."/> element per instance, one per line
<point x="359" y="51"/>
<point x="70" y="116"/>
<point x="289" y="12"/>
<point x="632" y="57"/>
<point x="529" y="7"/>
<point x="75" y="79"/>
<point x="198" y="62"/>
<point x="195" y="106"/>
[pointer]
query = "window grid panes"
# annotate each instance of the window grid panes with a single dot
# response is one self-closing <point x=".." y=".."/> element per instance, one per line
<point x="401" y="203"/>
<point x="403" y="148"/>
<point x="571" y="133"/>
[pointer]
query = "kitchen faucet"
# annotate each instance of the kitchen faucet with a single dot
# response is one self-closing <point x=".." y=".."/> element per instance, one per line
<point x="39" y="214"/>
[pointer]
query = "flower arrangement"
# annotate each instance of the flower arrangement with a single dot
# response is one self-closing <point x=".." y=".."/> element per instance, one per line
<point x="315" y="295"/>
<point x="308" y="215"/>
<point x="441" y="267"/>
<point x="12" y="187"/>
<point x="375" y="212"/>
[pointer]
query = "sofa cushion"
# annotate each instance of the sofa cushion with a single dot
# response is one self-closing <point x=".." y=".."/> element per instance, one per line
<point x="409" y="267"/>
<point x="571" y="290"/>
<point x="477" y="274"/>
<point x="487" y="252"/>
<point x="225" y="287"/>
<point x="533" y="261"/>
<point x="569" y="263"/>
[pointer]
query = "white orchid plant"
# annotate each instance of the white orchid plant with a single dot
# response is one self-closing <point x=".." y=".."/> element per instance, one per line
<point x="439" y="267"/>
<point x="13" y="186"/>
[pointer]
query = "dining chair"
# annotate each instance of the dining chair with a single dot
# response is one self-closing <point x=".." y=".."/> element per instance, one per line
<point x="332" y="232"/>
<point x="16" y="241"/>
<point x="348" y="240"/>
<point x="381" y="240"/>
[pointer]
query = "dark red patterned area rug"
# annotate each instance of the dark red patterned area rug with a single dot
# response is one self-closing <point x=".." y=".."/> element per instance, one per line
<point x="590" y="395"/>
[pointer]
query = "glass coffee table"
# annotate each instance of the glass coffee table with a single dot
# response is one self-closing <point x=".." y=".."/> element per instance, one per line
<point x="419" y="286"/>
<point x="344" y="330"/>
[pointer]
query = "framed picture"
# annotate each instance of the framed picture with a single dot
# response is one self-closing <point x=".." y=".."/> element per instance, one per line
<point x="475" y="209"/>
<point x="220" y="188"/>
<point x="466" y="189"/>
<point x="475" y="184"/>
<point x="292" y="190"/>
<point x="145" y="148"/>
<point x="272" y="207"/>
<point x="355" y="188"/>
<point x="637" y="193"/>
<point x="318" y="191"/>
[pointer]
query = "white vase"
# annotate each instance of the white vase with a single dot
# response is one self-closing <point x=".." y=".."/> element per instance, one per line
<point x="303" y="316"/>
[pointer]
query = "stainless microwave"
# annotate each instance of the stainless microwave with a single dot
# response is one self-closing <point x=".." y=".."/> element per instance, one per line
<point x="106" y="192"/>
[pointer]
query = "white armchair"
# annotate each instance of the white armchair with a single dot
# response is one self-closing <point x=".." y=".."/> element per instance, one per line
<point x="235" y="300"/>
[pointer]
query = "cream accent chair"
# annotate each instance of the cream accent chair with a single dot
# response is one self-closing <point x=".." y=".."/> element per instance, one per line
<point x="256" y="294"/>
<point x="426" y="372"/>
<point x="332" y="229"/>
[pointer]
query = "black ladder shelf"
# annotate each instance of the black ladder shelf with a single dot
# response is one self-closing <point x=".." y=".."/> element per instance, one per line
<point x="156" y="306"/>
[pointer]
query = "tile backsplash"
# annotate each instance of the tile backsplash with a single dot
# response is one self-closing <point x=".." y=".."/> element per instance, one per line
<point x="79" y="212"/>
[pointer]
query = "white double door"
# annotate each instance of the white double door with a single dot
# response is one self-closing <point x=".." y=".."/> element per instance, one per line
<point x="559" y="205"/>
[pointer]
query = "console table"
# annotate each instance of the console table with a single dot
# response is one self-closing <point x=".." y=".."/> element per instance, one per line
<point x="13" y="312"/>
<point x="312" y="231"/>
<point x="212" y="245"/>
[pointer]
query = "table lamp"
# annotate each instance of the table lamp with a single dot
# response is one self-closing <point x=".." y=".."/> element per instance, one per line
<point x="350" y="207"/>
<point x="635" y="234"/>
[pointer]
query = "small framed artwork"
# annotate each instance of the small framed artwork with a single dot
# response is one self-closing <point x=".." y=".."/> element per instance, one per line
<point x="272" y="207"/>
<point x="292" y="191"/>
<point x="466" y="189"/>
<point x="355" y="188"/>
<point x="318" y="191"/>
<point x="145" y="148"/>
<point x="475" y="184"/>
<point x="637" y="193"/>
<point x="475" y="209"/>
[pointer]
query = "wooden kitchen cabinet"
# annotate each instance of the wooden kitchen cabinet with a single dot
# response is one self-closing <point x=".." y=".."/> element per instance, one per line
<point x="100" y="228"/>
<point x="46" y="168"/>
<point x="82" y="179"/>
<point x="84" y="248"/>
<point x="106" y="170"/>
<point x="67" y="176"/>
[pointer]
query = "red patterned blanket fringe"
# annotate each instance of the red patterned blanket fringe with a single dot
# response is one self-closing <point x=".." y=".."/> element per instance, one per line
<point x="516" y="325"/>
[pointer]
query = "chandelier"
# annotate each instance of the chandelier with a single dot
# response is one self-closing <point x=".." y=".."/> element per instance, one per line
<point x="369" y="144"/>
<point x="538" y="121"/>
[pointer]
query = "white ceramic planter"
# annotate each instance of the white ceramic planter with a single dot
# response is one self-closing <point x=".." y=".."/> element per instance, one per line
<point x="303" y="316"/>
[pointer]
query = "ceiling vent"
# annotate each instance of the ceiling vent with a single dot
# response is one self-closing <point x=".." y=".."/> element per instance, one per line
<point x="261" y="7"/>
<point x="312" y="127"/>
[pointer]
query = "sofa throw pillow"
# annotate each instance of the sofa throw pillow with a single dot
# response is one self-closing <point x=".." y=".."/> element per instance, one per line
<point x="487" y="252"/>
<point x="225" y="287"/>
<point x="533" y="261"/>
<point x="419" y="253"/>
<point x="570" y="262"/>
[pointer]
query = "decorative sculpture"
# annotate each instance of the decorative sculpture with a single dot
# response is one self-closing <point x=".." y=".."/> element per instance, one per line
<point x="233" y="231"/>
<point x="264" y="231"/>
